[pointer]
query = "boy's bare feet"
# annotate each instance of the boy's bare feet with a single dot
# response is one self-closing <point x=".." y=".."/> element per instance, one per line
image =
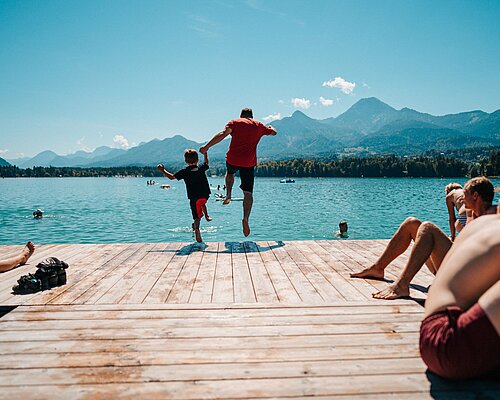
<point x="226" y="201"/>
<point x="197" y="235"/>
<point x="246" y="227"/>
<point x="28" y="252"/>
<point x="208" y="218"/>
<point x="392" y="292"/>
<point x="371" y="272"/>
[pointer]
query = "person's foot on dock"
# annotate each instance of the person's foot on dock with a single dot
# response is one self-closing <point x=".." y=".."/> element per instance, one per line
<point x="197" y="235"/>
<point x="372" y="272"/>
<point x="28" y="251"/>
<point x="392" y="292"/>
<point x="246" y="227"/>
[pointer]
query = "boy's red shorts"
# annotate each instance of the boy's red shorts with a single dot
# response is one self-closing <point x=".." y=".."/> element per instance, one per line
<point x="197" y="207"/>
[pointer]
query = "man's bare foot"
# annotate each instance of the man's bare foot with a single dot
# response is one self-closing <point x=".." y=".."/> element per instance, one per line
<point x="246" y="227"/>
<point x="392" y="292"/>
<point x="208" y="218"/>
<point x="28" y="251"/>
<point x="371" y="272"/>
<point x="197" y="235"/>
<point x="226" y="201"/>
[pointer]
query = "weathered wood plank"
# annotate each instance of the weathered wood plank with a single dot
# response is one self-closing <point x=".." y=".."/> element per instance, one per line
<point x="204" y="283"/>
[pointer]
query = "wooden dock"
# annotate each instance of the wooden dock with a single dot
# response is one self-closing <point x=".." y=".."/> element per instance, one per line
<point x="232" y="320"/>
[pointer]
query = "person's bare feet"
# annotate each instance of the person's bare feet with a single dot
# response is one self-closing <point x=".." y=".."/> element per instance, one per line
<point x="28" y="251"/>
<point x="392" y="292"/>
<point x="371" y="272"/>
<point x="208" y="218"/>
<point x="226" y="201"/>
<point x="246" y="227"/>
<point x="197" y="235"/>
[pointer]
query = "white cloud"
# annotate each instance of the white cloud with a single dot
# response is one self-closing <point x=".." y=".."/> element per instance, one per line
<point x="3" y="151"/>
<point x="301" y="103"/>
<point x="325" y="102"/>
<point x="340" y="83"/>
<point x="272" y="117"/>
<point x="121" y="141"/>
<point x="80" y="141"/>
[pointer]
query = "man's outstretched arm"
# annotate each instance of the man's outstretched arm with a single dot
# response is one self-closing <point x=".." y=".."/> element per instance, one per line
<point x="218" y="137"/>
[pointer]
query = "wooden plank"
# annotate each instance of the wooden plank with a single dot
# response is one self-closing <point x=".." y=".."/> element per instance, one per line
<point x="223" y="283"/>
<point x="204" y="283"/>
<point x="244" y="291"/>
<point x="264" y="289"/>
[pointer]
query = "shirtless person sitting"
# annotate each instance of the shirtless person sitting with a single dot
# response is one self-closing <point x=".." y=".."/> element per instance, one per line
<point x="455" y="202"/>
<point x="431" y="243"/>
<point x="460" y="335"/>
<point x="21" y="259"/>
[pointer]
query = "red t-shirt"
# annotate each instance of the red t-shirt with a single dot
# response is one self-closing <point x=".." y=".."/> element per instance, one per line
<point x="246" y="133"/>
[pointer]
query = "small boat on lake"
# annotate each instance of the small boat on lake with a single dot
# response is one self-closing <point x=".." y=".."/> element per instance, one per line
<point x="287" y="180"/>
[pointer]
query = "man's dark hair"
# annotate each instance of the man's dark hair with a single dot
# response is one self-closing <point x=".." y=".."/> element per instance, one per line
<point x="191" y="156"/>
<point x="246" y="113"/>
<point x="483" y="187"/>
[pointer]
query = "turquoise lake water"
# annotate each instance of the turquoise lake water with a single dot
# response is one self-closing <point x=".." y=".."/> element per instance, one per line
<point x="121" y="210"/>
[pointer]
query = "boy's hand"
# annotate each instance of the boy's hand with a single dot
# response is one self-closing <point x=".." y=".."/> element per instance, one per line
<point x="203" y="150"/>
<point x="160" y="167"/>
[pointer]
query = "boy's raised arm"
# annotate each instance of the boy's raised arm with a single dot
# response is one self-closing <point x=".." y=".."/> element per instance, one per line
<point x="162" y="169"/>
<point x="205" y="157"/>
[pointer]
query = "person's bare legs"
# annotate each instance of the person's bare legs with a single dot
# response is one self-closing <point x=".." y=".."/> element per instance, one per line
<point x="229" y="187"/>
<point x="247" y="208"/>
<point x="431" y="246"/>
<point x="398" y="244"/>
<point x="197" y="233"/>
<point x="205" y="212"/>
<point x="20" y="259"/>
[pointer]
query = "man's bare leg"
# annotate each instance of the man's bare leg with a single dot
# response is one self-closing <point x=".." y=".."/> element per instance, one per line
<point x="398" y="244"/>
<point x="20" y="259"/>
<point x="431" y="246"/>
<point x="229" y="187"/>
<point x="247" y="208"/>
<point x="197" y="233"/>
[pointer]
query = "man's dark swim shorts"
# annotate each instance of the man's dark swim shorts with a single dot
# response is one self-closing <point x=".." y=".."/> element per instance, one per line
<point x="459" y="345"/>
<point x="247" y="176"/>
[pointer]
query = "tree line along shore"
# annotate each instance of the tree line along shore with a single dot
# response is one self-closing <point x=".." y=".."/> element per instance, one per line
<point x="346" y="167"/>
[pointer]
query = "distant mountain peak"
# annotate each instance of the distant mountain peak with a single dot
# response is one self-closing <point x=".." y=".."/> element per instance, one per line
<point x="300" y="115"/>
<point x="371" y="103"/>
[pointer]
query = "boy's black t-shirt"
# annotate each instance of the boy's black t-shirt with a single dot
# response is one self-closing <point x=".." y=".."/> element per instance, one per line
<point x="196" y="181"/>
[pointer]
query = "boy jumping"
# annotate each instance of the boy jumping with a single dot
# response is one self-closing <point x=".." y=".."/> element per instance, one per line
<point x="197" y="187"/>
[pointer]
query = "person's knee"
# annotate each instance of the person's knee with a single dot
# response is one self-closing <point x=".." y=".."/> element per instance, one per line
<point x="411" y="221"/>
<point x="247" y="195"/>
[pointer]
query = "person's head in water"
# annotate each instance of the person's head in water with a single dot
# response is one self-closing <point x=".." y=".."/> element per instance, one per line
<point x="343" y="227"/>
<point x="191" y="156"/>
<point x="246" y="113"/>
<point x="452" y="186"/>
<point x="38" y="213"/>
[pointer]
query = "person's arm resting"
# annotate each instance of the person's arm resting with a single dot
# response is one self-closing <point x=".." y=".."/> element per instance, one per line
<point x="451" y="215"/>
<point x="218" y="137"/>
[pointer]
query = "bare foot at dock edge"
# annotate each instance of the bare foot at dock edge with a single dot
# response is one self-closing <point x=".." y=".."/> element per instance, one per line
<point x="208" y="218"/>
<point x="371" y="272"/>
<point x="197" y="235"/>
<point x="28" y="251"/>
<point x="246" y="227"/>
<point x="226" y="201"/>
<point x="392" y="292"/>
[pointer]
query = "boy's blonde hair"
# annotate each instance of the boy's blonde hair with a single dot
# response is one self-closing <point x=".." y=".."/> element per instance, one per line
<point x="191" y="156"/>
<point x="452" y="186"/>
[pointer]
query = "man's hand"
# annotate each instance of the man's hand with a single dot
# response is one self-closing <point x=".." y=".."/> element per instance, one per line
<point x="160" y="167"/>
<point x="203" y="149"/>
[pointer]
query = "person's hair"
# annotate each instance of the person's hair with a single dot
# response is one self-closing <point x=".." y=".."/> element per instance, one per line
<point x="452" y="186"/>
<point x="342" y="224"/>
<point x="191" y="156"/>
<point x="246" y="113"/>
<point x="483" y="187"/>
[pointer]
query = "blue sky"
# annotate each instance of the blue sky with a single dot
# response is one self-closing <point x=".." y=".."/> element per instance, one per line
<point x="81" y="74"/>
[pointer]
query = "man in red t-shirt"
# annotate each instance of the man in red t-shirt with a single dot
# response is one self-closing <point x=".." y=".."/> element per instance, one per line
<point x="242" y="156"/>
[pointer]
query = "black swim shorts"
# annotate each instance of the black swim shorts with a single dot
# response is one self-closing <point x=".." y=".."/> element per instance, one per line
<point x="247" y="176"/>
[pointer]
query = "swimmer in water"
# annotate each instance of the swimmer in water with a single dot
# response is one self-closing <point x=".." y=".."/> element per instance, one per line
<point x="38" y="214"/>
<point x="342" y="233"/>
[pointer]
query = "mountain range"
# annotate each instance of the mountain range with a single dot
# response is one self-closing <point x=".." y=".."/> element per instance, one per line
<point x="369" y="127"/>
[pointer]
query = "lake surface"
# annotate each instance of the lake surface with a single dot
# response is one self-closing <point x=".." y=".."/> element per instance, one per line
<point x="120" y="210"/>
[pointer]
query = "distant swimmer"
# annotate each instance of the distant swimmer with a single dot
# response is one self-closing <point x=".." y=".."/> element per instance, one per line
<point x="38" y="214"/>
<point x="342" y="232"/>
<point x="242" y="156"/>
